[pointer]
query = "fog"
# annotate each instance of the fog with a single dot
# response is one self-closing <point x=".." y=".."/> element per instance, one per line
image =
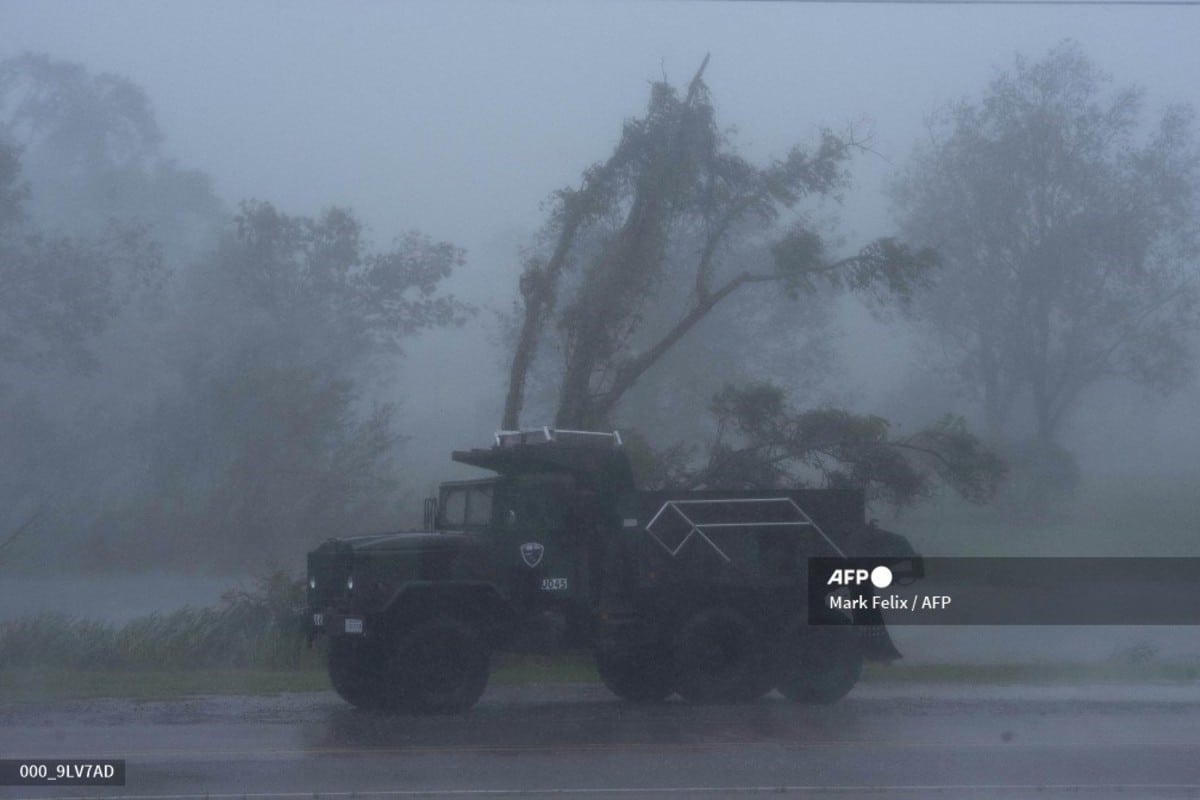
<point x="459" y="121"/>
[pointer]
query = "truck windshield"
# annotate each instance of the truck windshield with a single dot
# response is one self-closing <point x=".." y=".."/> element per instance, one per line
<point x="479" y="505"/>
<point x="454" y="507"/>
<point x="467" y="505"/>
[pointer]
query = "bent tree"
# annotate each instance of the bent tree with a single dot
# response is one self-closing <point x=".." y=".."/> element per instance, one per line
<point x="674" y="174"/>
<point x="676" y="208"/>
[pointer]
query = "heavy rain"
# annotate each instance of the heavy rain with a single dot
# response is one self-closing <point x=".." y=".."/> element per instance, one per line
<point x="386" y="388"/>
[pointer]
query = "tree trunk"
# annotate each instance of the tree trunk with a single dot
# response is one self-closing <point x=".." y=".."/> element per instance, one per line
<point x="535" y="305"/>
<point x="540" y="290"/>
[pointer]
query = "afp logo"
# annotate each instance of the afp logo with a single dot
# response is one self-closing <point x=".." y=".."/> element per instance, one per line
<point x="880" y="577"/>
<point x="531" y="553"/>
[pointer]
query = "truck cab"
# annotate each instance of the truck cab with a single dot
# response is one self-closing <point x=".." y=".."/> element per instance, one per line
<point x="538" y="546"/>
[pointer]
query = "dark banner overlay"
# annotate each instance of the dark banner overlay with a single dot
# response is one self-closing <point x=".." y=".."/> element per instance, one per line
<point x="62" y="772"/>
<point x="1005" y="591"/>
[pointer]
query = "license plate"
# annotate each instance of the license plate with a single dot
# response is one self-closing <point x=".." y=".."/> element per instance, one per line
<point x="318" y="620"/>
<point x="354" y="626"/>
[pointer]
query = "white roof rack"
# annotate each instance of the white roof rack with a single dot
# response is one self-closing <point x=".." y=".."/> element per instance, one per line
<point x="547" y="434"/>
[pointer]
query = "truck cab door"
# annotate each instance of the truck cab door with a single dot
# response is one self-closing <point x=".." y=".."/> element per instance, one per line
<point x="541" y="546"/>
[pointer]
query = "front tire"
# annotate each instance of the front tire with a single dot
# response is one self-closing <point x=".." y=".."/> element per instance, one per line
<point x="357" y="671"/>
<point x="438" y="667"/>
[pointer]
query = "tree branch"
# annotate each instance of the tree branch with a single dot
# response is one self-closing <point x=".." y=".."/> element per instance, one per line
<point x="20" y="530"/>
<point x="632" y="370"/>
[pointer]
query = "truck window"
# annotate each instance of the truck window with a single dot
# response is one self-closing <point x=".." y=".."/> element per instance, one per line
<point x="479" y="506"/>
<point x="540" y="511"/>
<point x="454" y="509"/>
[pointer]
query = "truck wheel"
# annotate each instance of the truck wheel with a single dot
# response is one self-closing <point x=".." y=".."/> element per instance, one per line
<point x="637" y="674"/>
<point x="438" y="667"/>
<point x="719" y="658"/>
<point x="356" y="671"/>
<point x="818" y="663"/>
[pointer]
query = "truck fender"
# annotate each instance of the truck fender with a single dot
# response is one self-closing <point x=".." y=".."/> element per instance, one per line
<point x="476" y="602"/>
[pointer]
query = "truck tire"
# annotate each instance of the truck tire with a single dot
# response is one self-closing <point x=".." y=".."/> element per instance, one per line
<point x="357" y="672"/>
<point x="438" y="667"/>
<point x="637" y="673"/>
<point x="719" y="658"/>
<point x="818" y="663"/>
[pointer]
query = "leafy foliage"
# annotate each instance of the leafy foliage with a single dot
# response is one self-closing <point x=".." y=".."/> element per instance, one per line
<point x="1069" y="240"/>
<point x="57" y="294"/>
<point x="91" y="145"/>
<point x="763" y="442"/>
<point x="317" y="279"/>
<point x="253" y="464"/>
<point x="104" y="119"/>
<point x="267" y="445"/>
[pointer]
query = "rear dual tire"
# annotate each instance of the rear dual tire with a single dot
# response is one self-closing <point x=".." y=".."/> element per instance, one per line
<point x="818" y="664"/>
<point x="637" y="673"/>
<point x="718" y="656"/>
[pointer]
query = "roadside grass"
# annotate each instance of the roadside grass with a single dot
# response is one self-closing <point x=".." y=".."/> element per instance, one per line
<point x="1108" y="516"/>
<point x="21" y="686"/>
<point x="1033" y="674"/>
<point x="514" y="670"/>
<point x="257" y="629"/>
<point x="37" y="685"/>
<point x="28" y="686"/>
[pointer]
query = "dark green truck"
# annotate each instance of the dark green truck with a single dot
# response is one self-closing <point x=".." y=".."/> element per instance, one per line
<point x="700" y="593"/>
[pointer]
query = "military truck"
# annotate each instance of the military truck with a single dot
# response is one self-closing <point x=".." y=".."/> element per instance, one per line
<point x="700" y="593"/>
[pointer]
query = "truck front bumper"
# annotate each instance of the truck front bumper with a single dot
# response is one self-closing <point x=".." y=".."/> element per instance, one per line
<point x="335" y="624"/>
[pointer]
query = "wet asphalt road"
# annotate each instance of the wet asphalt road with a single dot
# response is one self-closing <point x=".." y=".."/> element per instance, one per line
<point x="576" y="741"/>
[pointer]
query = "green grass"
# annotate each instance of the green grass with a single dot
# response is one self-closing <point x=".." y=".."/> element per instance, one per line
<point x="28" y="685"/>
<point x="515" y="670"/>
<point x="1032" y="674"/>
<point x="1106" y="517"/>
<point x="261" y="629"/>
<point x="42" y="685"/>
<point x="25" y="686"/>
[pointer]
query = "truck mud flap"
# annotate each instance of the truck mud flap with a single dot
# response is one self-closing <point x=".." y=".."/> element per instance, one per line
<point x="877" y="644"/>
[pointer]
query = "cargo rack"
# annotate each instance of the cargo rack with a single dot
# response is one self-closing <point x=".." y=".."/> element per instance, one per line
<point x="547" y="434"/>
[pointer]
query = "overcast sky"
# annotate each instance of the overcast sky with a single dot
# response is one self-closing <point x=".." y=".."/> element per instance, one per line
<point x="460" y="118"/>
